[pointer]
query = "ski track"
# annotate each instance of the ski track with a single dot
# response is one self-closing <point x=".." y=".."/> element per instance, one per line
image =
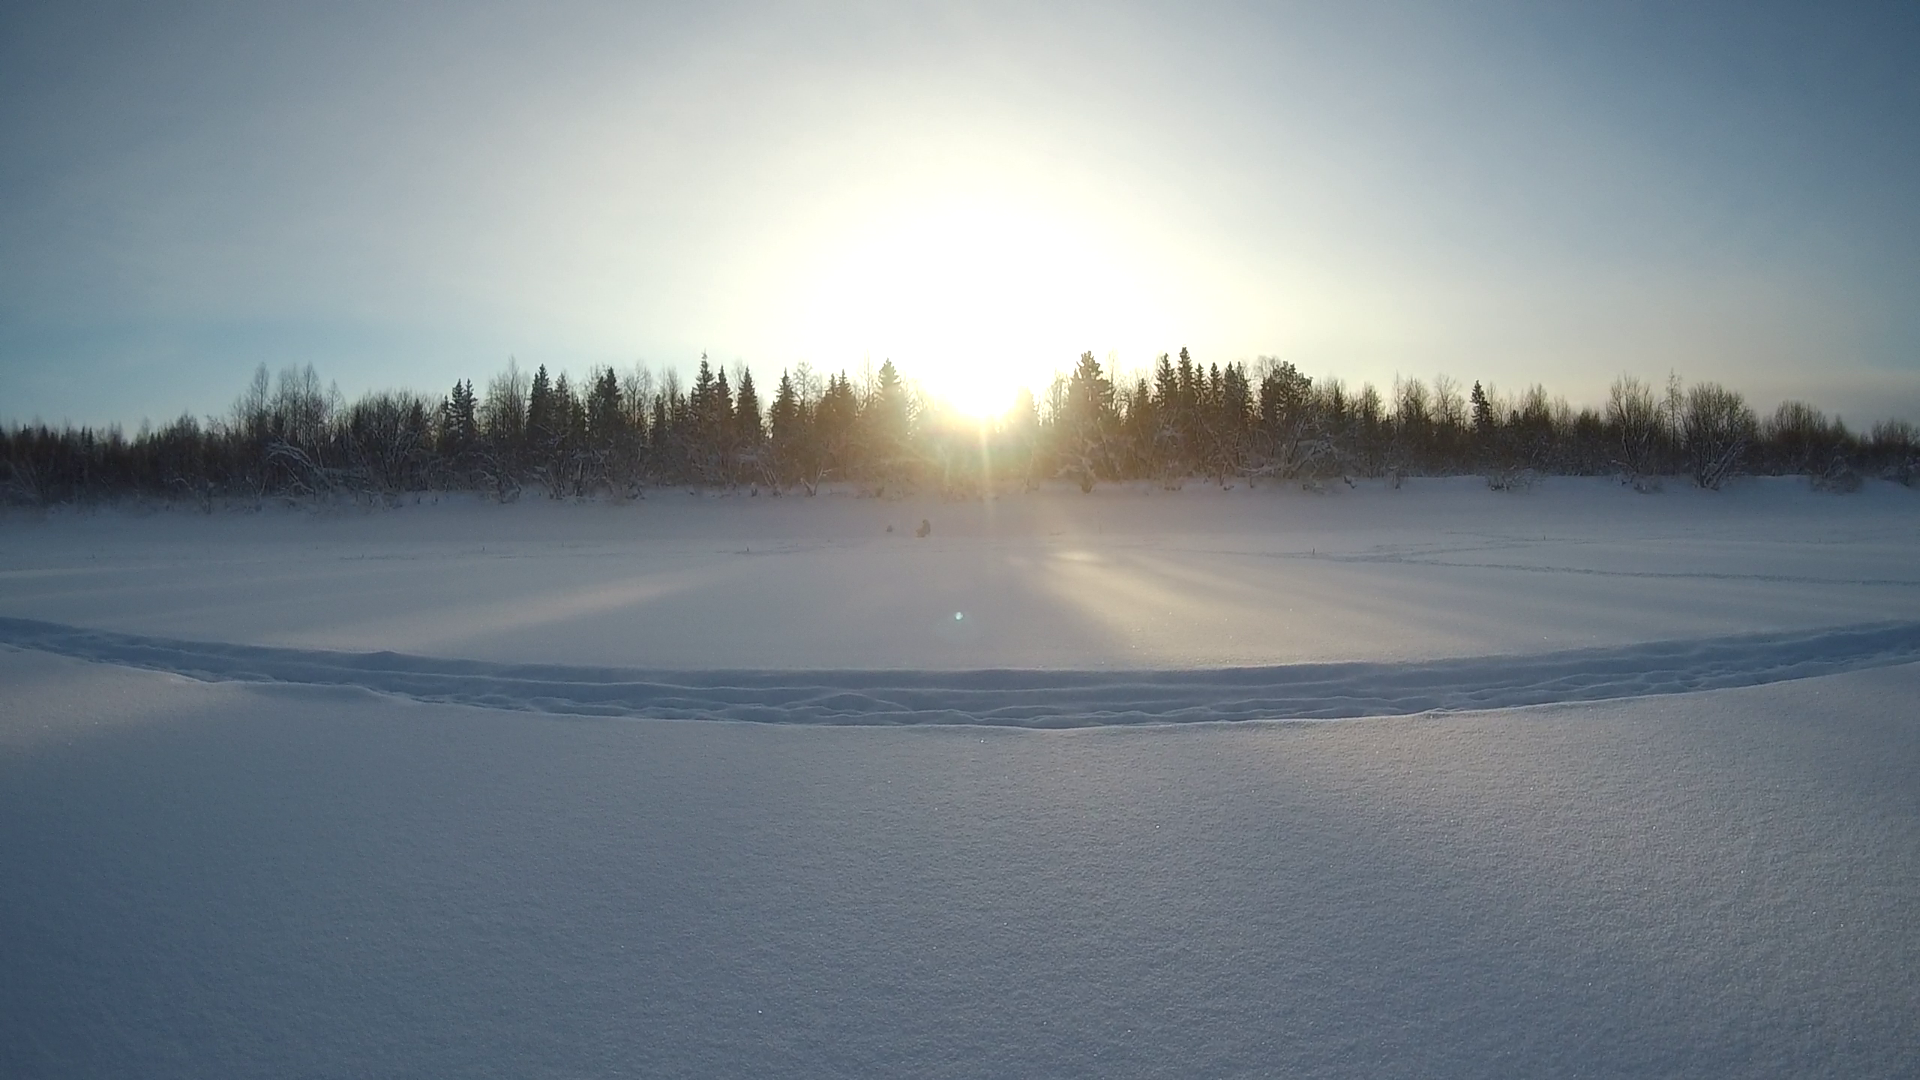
<point x="1435" y="559"/>
<point x="1018" y="698"/>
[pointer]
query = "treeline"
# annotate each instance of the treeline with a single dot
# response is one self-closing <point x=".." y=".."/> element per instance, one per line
<point x="619" y="433"/>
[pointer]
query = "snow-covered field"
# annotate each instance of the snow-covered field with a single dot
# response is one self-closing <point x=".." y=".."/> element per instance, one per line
<point x="382" y="793"/>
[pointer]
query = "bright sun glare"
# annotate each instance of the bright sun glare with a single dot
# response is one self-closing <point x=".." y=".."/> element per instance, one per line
<point x="975" y="300"/>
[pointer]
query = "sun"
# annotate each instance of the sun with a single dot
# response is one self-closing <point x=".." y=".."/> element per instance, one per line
<point x="976" y="300"/>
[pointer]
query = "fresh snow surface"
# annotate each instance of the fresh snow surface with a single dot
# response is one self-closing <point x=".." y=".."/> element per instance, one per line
<point x="267" y="832"/>
<point x="244" y="879"/>
<point x="1127" y="578"/>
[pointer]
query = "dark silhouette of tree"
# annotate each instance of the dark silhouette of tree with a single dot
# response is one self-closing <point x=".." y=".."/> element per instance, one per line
<point x="1635" y="422"/>
<point x="540" y="406"/>
<point x="746" y="412"/>
<point x="292" y="435"/>
<point x="1090" y="420"/>
<point x="1483" y="417"/>
<point x="1801" y="440"/>
<point x="791" y="436"/>
<point x="833" y="427"/>
<point x="749" y="434"/>
<point x="606" y="417"/>
<point x="607" y="444"/>
<point x="882" y="430"/>
<point x="459" y="421"/>
<point x="1293" y="431"/>
<point x="709" y="443"/>
<point x="1716" y="427"/>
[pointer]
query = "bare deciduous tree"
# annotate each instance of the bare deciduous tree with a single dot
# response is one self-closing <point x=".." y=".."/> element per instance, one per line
<point x="1716" y="427"/>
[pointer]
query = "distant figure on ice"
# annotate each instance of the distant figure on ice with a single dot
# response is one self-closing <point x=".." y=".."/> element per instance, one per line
<point x="925" y="528"/>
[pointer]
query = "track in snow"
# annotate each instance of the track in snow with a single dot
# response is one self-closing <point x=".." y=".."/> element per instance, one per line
<point x="1019" y="698"/>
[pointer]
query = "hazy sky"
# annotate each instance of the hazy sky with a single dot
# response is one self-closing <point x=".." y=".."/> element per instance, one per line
<point x="407" y="193"/>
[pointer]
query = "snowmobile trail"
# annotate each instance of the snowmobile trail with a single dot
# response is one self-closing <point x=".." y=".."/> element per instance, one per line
<point x="1019" y="698"/>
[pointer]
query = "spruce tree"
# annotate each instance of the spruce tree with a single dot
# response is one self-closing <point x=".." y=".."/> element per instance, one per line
<point x="784" y="418"/>
<point x="883" y="425"/>
<point x="540" y="407"/>
<point x="459" y="425"/>
<point x="833" y="424"/>
<point x="785" y="413"/>
<point x="568" y="416"/>
<point x="1483" y="419"/>
<point x="701" y="396"/>
<point x="1166" y="384"/>
<point x="1089" y="422"/>
<point x="606" y="419"/>
<point x="746" y="412"/>
<point x="720" y="404"/>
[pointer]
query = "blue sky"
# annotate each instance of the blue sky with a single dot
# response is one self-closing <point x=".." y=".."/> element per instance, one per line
<point x="405" y="194"/>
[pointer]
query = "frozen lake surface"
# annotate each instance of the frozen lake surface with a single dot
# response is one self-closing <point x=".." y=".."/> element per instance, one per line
<point x="241" y="845"/>
<point x="1127" y="578"/>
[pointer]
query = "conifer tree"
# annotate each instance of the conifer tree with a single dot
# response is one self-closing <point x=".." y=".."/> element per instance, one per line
<point x="833" y="424"/>
<point x="720" y="406"/>
<point x="700" y="398"/>
<point x="746" y="433"/>
<point x="746" y="412"/>
<point x="540" y="407"/>
<point x="1483" y="420"/>
<point x="1187" y="393"/>
<point x="881" y="427"/>
<point x="1089" y="423"/>
<point x="784" y="415"/>
<point x="707" y="434"/>
<point x="459" y="423"/>
<point x="1166" y="384"/>
<point x="568" y="415"/>
<point x="606" y="417"/>
<point x="1165" y="452"/>
<point x="787" y="420"/>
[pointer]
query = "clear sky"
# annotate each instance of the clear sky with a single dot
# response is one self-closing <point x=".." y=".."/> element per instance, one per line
<point x="403" y="194"/>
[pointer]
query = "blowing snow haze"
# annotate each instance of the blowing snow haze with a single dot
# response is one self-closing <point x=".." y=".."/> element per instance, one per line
<point x="407" y="194"/>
